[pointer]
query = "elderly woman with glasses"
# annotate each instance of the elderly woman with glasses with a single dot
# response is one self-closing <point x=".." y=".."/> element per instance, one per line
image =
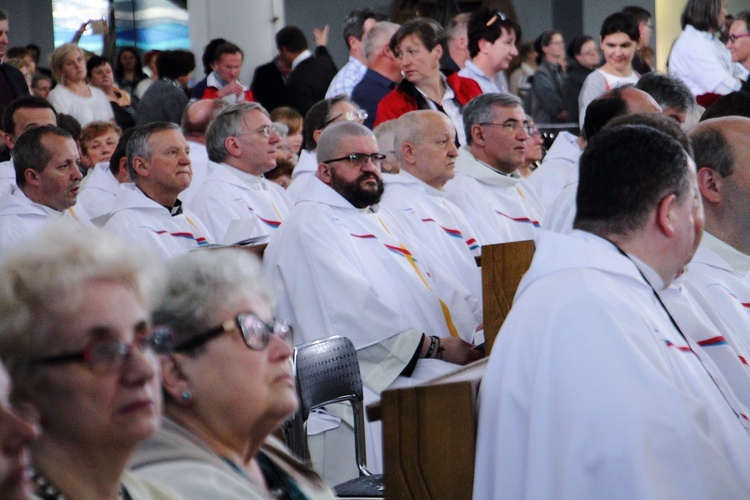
<point x="75" y="335"/>
<point x="228" y="385"/>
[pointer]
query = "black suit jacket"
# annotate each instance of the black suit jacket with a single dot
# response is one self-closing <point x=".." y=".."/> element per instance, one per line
<point x="16" y="82"/>
<point x="268" y="86"/>
<point x="309" y="81"/>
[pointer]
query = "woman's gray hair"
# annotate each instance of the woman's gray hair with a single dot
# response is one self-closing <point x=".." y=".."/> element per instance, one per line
<point x="330" y="141"/>
<point x="202" y="285"/>
<point x="45" y="280"/>
<point x="228" y="123"/>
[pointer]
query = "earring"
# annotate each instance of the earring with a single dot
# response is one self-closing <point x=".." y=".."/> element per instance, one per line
<point x="186" y="395"/>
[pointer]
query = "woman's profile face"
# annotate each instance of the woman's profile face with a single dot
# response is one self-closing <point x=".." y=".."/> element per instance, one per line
<point x="119" y="404"/>
<point x="417" y="63"/>
<point x="239" y="387"/>
<point x="618" y="50"/>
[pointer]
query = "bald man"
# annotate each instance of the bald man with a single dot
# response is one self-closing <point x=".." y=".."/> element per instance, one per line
<point x="426" y="154"/>
<point x="616" y="102"/>
<point x="560" y="166"/>
<point x="194" y="124"/>
<point x="721" y="267"/>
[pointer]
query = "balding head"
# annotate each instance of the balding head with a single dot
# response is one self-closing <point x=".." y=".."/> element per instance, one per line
<point x="723" y="162"/>
<point x="616" y="102"/>
<point x="197" y="116"/>
<point x="424" y="146"/>
<point x="639" y="101"/>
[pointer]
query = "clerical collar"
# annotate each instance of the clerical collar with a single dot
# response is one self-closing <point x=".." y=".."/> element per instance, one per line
<point x="510" y="175"/>
<point x="174" y="210"/>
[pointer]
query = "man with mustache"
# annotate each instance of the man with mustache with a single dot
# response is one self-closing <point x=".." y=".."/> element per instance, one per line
<point x="345" y="266"/>
<point x="487" y="186"/>
<point x="47" y="183"/>
<point x="150" y="214"/>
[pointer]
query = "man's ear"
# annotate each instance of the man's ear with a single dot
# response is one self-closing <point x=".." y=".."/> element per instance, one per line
<point x="665" y="216"/>
<point x="173" y="379"/>
<point x="477" y="135"/>
<point x="140" y="167"/>
<point x="408" y="153"/>
<point x="709" y="183"/>
<point x="316" y="135"/>
<point x="232" y="145"/>
<point x="31" y="177"/>
<point x="324" y="173"/>
<point x="9" y="140"/>
<point x="123" y="175"/>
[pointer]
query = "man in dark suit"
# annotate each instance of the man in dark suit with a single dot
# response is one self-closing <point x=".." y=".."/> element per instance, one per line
<point x="311" y="74"/>
<point x="12" y="82"/>
<point x="269" y="83"/>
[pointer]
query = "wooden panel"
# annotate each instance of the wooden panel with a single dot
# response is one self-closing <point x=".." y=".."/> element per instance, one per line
<point x="503" y="266"/>
<point x="429" y="435"/>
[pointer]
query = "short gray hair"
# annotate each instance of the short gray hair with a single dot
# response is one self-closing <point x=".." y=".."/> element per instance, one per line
<point x="200" y="285"/>
<point x="282" y="129"/>
<point x="380" y="34"/>
<point x="228" y="123"/>
<point x="481" y="108"/>
<point x="383" y="132"/>
<point x="410" y="127"/>
<point x="58" y="263"/>
<point x="330" y="140"/>
<point x="138" y="145"/>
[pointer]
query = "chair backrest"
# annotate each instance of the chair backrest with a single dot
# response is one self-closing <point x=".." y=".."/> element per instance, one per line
<point x="327" y="372"/>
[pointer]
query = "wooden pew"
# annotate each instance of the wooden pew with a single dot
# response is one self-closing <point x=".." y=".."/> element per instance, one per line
<point x="429" y="434"/>
<point x="503" y="266"/>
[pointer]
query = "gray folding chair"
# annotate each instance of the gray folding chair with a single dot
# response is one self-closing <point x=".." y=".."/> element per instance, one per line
<point x="327" y="372"/>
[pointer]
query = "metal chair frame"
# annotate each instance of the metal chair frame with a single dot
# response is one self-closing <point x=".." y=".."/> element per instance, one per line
<point x="327" y="372"/>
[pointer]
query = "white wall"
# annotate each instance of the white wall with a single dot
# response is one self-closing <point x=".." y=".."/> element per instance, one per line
<point x="31" y="22"/>
<point x="249" y="24"/>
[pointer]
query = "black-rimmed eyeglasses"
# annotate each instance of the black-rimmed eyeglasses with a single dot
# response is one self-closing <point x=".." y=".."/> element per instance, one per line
<point x="349" y="116"/>
<point x="358" y="160"/>
<point x="255" y="332"/>
<point x="108" y="356"/>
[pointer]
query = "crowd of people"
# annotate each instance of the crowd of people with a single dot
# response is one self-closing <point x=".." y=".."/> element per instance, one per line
<point x="164" y="243"/>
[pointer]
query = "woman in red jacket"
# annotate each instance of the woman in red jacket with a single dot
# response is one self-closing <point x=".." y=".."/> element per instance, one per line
<point x="419" y="45"/>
